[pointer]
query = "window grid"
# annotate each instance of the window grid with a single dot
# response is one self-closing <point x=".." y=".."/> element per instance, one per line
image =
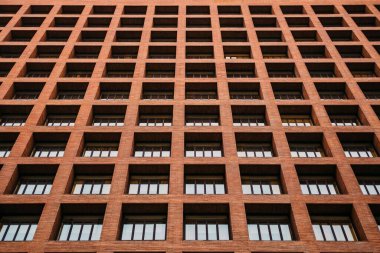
<point x="359" y="150"/>
<point x="203" y="150"/>
<point x="204" y="185"/>
<point x="319" y="186"/>
<point x="100" y="150"/>
<point x="307" y="151"/>
<point x="255" y="150"/>
<point x="269" y="229"/>
<point x="369" y="186"/>
<point x="148" y="185"/>
<point x="251" y="120"/>
<point x="149" y="150"/>
<point x="12" y="121"/>
<point x="34" y="185"/>
<point x="155" y="120"/>
<point x="60" y="120"/>
<point x="338" y="229"/>
<point x="141" y="228"/>
<point x="297" y="120"/>
<point x="80" y="229"/>
<point x="17" y="229"/>
<point x="202" y="120"/>
<point x="261" y="185"/>
<point x="108" y="120"/>
<point x="206" y="228"/>
<point x="346" y="120"/>
<point x="92" y="185"/>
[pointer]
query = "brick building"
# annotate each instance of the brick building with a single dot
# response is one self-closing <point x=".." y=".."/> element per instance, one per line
<point x="189" y="126"/>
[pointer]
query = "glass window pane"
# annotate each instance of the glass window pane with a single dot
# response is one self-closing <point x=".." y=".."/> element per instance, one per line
<point x="2" y="231"/>
<point x="21" y="233"/>
<point x="153" y="189"/>
<point x="327" y="231"/>
<point x="138" y="233"/>
<point x="86" y="230"/>
<point x="39" y="189"/>
<point x="106" y="188"/>
<point x="75" y="230"/>
<point x="275" y="232"/>
<point x="253" y="232"/>
<point x="133" y="188"/>
<point x="209" y="189"/>
<point x="86" y="188"/>
<point x="338" y="231"/>
<point x="190" y="189"/>
<point x="32" y="231"/>
<point x="148" y="235"/>
<point x="212" y="232"/>
<point x="64" y="232"/>
<point x="96" y="188"/>
<point x="286" y="233"/>
<point x="190" y="232"/>
<point x="349" y="232"/>
<point x="11" y="233"/>
<point x="163" y="189"/>
<point x="264" y="232"/>
<point x="246" y="189"/>
<point x="96" y="232"/>
<point x="318" y="232"/>
<point x="200" y="188"/>
<point x="223" y="232"/>
<point x="160" y="232"/>
<point x="127" y="232"/>
<point x="219" y="189"/>
<point x="201" y="231"/>
<point x="323" y="189"/>
<point x="276" y="189"/>
<point x="143" y="188"/>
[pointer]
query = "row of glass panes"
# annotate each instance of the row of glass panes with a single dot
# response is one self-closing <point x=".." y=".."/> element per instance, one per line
<point x="196" y="150"/>
<point x="157" y="95"/>
<point x="197" y="184"/>
<point x="157" y="121"/>
<point x="153" y="228"/>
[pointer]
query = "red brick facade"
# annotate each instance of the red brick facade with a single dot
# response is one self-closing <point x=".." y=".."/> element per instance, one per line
<point x="366" y="35"/>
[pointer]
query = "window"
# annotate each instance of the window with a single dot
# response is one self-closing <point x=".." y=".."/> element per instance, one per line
<point x="12" y="120"/>
<point x="70" y="95"/>
<point x="33" y="185"/>
<point x="340" y="95"/>
<point x="114" y="95"/>
<point x="108" y="120"/>
<point x="297" y="120"/>
<point x="255" y="150"/>
<point x="245" y="95"/>
<point x="25" y="95"/>
<point x="148" y="184"/>
<point x="359" y="150"/>
<point x="79" y="228"/>
<point x="201" y="95"/>
<point x="17" y="228"/>
<point x="155" y="120"/>
<point x="144" y="227"/>
<point x="5" y="149"/>
<point x="152" y="150"/>
<point x="157" y="95"/>
<point x="206" y="228"/>
<point x="306" y="150"/>
<point x="60" y="120"/>
<point x="345" y="120"/>
<point x="269" y="228"/>
<point x="288" y="95"/>
<point x="100" y="150"/>
<point x="333" y="229"/>
<point x="249" y="120"/>
<point x="369" y="185"/>
<point x="202" y="120"/>
<point x="48" y="150"/>
<point x="204" y="185"/>
<point x="203" y="150"/>
<point x="92" y="185"/>
<point x="319" y="186"/>
<point x="261" y="185"/>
